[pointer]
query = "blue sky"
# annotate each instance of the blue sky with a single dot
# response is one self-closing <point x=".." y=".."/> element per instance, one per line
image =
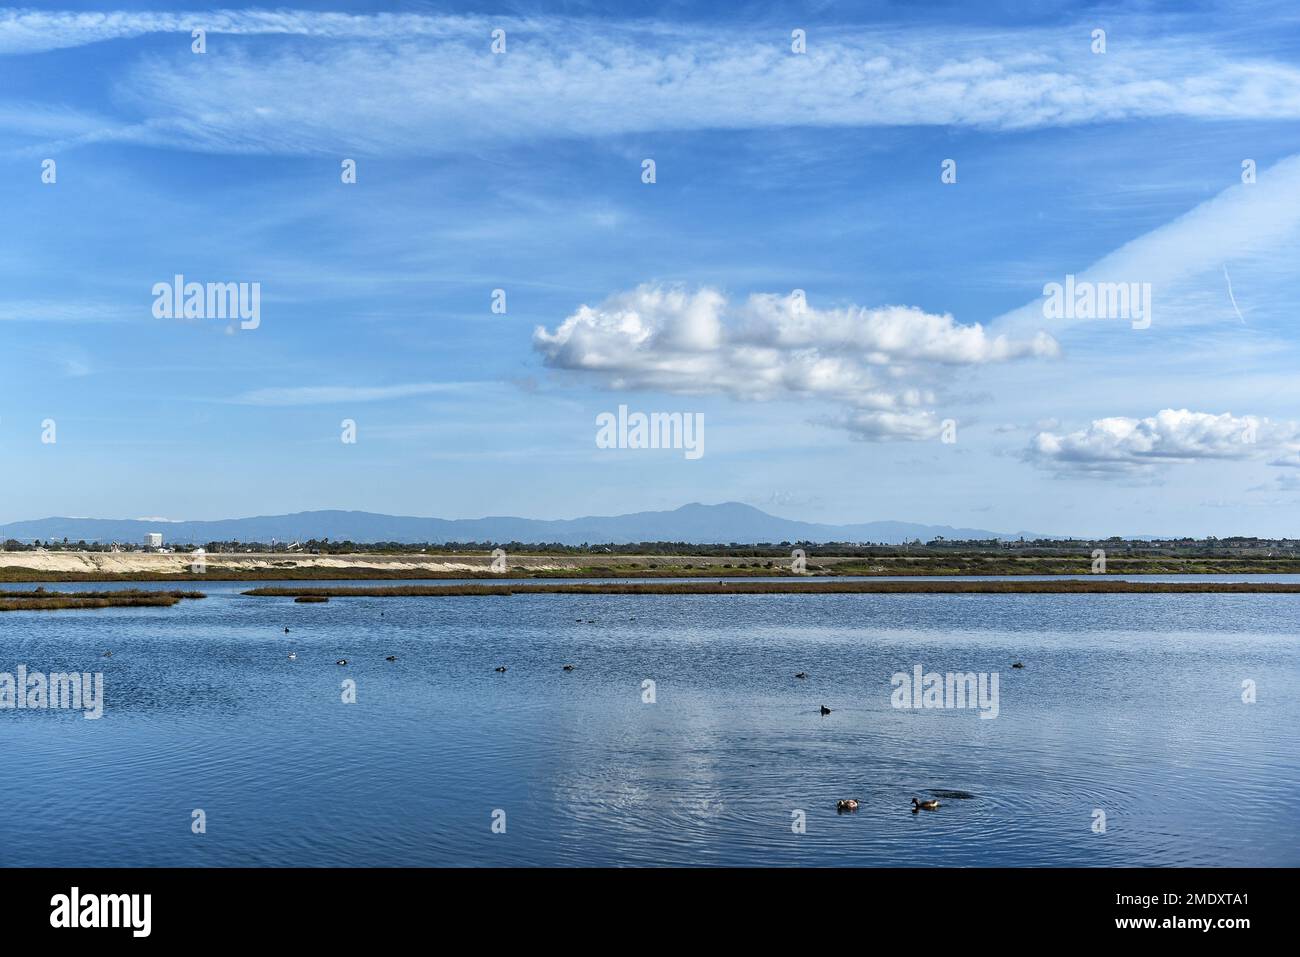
<point x="775" y="172"/>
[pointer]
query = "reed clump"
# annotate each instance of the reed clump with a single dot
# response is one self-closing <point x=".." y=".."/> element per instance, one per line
<point x="41" y="600"/>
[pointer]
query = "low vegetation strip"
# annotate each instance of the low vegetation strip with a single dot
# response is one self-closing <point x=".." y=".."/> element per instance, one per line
<point x="70" y="567"/>
<point x="1065" y="586"/>
<point x="42" y="600"/>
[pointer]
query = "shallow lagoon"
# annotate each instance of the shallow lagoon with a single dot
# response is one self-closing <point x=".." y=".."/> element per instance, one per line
<point x="1128" y="703"/>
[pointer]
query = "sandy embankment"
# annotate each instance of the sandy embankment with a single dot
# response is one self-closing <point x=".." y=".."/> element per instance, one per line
<point x="134" y="563"/>
<point x="111" y="564"/>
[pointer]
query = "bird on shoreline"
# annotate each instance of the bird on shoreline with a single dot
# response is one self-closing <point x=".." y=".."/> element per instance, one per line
<point x="848" y="804"/>
<point x="825" y="710"/>
<point x="924" y="805"/>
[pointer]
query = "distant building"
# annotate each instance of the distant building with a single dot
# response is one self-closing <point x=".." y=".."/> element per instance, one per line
<point x="153" y="540"/>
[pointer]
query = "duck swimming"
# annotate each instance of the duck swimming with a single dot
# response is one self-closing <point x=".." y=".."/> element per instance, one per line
<point x="568" y="667"/>
<point x="1017" y="665"/>
<point x="391" y="658"/>
<point x="341" y="661"/>
<point x="825" y="710"/>
<point x="293" y="656"/>
<point x="848" y="804"/>
<point x="286" y="630"/>
<point x="108" y="654"/>
<point x="923" y="805"/>
<point x="802" y="674"/>
<point x="499" y="668"/>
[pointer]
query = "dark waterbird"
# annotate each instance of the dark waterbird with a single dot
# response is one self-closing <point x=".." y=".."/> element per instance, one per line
<point x="341" y="661"/>
<point x="391" y="658"/>
<point x="802" y="674"/>
<point x="499" y="668"/>
<point x="1017" y="665"/>
<point x="924" y="805"/>
<point x="847" y="804"/>
<point x="568" y="667"/>
<point x="825" y="710"/>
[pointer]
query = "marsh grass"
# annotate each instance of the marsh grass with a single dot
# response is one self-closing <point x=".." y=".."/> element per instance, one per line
<point x="42" y="600"/>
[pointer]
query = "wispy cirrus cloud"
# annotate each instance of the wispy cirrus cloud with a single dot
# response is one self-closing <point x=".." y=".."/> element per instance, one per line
<point x="37" y="31"/>
<point x="411" y="84"/>
<point x="335" y="394"/>
<point x="56" y="310"/>
<point x="881" y="364"/>
<point x="1257" y="224"/>
<point x="1121" y="445"/>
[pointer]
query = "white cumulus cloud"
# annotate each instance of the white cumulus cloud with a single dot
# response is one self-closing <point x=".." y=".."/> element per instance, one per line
<point x="882" y="364"/>
<point x="1120" y="444"/>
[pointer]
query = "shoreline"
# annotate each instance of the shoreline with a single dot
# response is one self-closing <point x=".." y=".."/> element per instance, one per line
<point x="1067" y="586"/>
<point x="146" y="567"/>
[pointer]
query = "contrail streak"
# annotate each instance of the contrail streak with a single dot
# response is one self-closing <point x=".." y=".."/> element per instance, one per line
<point x="1231" y="298"/>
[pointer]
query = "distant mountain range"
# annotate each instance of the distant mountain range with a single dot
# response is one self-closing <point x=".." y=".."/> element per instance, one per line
<point x="695" y="523"/>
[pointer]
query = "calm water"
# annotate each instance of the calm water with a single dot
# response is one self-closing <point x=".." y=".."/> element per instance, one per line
<point x="1127" y="703"/>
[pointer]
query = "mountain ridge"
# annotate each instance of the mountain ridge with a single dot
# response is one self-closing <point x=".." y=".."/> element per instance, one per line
<point x="694" y="523"/>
